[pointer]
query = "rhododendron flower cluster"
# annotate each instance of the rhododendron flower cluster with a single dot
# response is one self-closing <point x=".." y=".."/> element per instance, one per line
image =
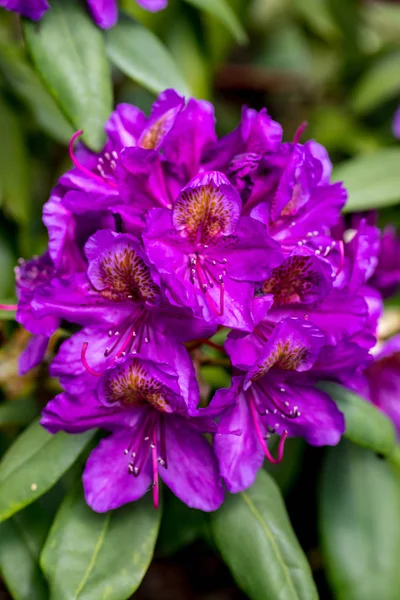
<point x="164" y="238"/>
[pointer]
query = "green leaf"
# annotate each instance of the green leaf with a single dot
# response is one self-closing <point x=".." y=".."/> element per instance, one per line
<point x="372" y="180"/>
<point x="69" y="53"/>
<point x="140" y="55"/>
<point x="91" y="556"/>
<point x="379" y="84"/>
<point x="224" y="13"/>
<point x="28" y="87"/>
<point x="253" y="533"/>
<point x="14" y="176"/>
<point x="360" y="525"/>
<point x="34" y="463"/>
<point x="17" y="412"/>
<point x="21" y="540"/>
<point x="366" y="425"/>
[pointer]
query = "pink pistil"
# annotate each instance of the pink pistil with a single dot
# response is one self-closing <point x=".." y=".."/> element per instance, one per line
<point x="341" y="263"/>
<point x="9" y="307"/>
<point x="85" y="362"/>
<point x="221" y="298"/>
<point x="264" y="446"/>
<point x="299" y="132"/>
<point x="82" y="168"/>
<point x="155" y="469"/>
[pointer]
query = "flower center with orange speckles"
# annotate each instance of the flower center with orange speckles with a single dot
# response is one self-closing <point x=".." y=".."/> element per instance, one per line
<point x="132" y="386"/>
<point x="126" y="276"/>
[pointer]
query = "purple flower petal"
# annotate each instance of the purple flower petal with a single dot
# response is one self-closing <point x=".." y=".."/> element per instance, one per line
<point x="104" y="12"/>
<point x="294" y="345"/>
<point x="192" y="472"/>
<point x="33" y="353"/>
<point x="106" y="480"/>
<point x="236" y="446"/>
<point x="32" y="9"/>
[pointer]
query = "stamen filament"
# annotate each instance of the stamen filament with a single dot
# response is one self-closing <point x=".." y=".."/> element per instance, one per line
<point x="155" y="468"/>
<point x="341" y="263"/>
<point x="264" y="446"/>
<point x="84" y="169"/>
<point x="85" y="362"/>
<point x="9" y="307"/>
<point x="299" y="132"/>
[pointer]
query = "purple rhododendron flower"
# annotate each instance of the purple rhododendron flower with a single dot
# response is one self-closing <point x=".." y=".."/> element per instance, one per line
<point x="104" y="12"/>
<point x="205" y="244"/>
<point x="147" y="411"/>
<point x="276" y="395"/>
<point x="169" y="234"/>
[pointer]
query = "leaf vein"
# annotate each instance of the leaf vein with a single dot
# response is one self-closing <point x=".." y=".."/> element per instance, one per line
<point x="254" y="510"/>
<point x="96" y="551"/>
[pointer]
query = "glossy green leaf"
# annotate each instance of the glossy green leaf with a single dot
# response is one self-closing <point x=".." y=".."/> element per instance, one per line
<point x="34" y="463"/>
<point x="21" y="540"/>
<point x="140" y="55"/>
<point x="379" y="84"/>
<point x="14" y="172"/>
<point x="18" y="412"/>
<point x="28" y="87"/>
<point x="372" y="180"/>
<point x="254" y="535"/>
<point x="69" y="53"/>
<point x="224" y="13"/>
<point x="89" y="556"/>
<point x="366" y="425"/>
<point x="359" y="523"/>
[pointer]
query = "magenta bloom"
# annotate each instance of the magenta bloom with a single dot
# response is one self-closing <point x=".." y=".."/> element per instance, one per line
<point x="124" y="310"/>
<point x="276" y="395"/>
<point x="104" y="12"/>
<point x="205" y="247"/>
<point x="146" y="410"/>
